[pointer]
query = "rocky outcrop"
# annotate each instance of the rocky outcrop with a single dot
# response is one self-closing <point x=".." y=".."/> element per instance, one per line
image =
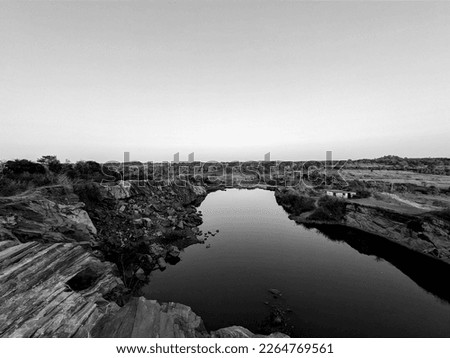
<point x="424" y="233"/>
<point x="119" y="190"/>
<point x="141" y="318"/>
<point x="52" y="290"/>
<point x="184" y="193"/>
<point x="241" y="332"/>
<point x="33" y="217"/>
<point x="142" y="225"/>
<point x="155" y="210"/>
<point x="51" y="283"/>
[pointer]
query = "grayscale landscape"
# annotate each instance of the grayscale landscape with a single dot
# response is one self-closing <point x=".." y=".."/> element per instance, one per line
<point x="218" y="169"/>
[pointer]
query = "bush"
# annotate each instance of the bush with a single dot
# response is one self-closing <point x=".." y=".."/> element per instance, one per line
<point x="22" y="175"/>
<point x="10" y="187"/>
<point x="363" y="193"/>
<point x="88" y="192"/>
<point x="295" y="203"/>
<point x="329" y="209"/>
<point x="89" y="170"/>
<point x="14" y="168"/>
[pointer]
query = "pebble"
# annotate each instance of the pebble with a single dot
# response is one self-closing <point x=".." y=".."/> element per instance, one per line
<point x="274" y="291"/>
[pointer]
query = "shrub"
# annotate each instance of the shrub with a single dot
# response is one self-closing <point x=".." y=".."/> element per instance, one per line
<point x="329" y="209"/>
<point x="14" y="168"/>
<point x="295" y="203"/>
<point x="10" y="187"/>
<point x="363" y="193"/>
<point x="88" y="170"/>
<point x="88" y="192"/>
<point x="23" y="175"/>
<point x="42" y="179"/>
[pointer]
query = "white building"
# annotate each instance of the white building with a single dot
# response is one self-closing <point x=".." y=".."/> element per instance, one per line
<point x="341" y="194"/>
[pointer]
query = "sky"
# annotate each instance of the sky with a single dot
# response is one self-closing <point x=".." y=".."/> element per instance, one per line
<point x="227" y="80"/>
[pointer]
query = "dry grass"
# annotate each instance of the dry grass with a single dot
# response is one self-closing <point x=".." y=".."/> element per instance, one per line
<point x="398" y="177"/>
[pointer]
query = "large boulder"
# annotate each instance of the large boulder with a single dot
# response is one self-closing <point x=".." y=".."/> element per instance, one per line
<point x="119" y="190"/>
<point x="142" y="318"/>
<point x="33" y="217"/>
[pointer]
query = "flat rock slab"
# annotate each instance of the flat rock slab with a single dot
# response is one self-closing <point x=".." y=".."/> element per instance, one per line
<point x="36" y="299"/>
<point x="36" y="218"/>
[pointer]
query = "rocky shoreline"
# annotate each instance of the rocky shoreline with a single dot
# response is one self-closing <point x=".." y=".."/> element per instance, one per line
<point x="72" y="261"/>
<point x="424" y="233"/>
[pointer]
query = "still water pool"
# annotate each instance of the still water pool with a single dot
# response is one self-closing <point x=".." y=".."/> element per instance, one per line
<point x="337" y="282"/>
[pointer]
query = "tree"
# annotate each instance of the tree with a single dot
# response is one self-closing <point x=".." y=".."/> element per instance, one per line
<point x="51" y="162"/>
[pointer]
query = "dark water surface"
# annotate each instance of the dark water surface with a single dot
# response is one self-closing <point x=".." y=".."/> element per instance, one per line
<point x="338" y="282"/>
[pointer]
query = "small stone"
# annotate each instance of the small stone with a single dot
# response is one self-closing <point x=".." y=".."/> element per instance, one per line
<point x="166" y="223"/>
<point x="162" y="263"/>
<point x="277" y="320"/>
<point x="140" y="274"/>
<point x="275" y="292"/>
<point x="174" y="251"/>
<point x="156" y="250"/>
<point x="147" y="221"/>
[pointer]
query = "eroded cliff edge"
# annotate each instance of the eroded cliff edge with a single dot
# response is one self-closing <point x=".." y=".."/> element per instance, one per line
<point x="424" y="232"/>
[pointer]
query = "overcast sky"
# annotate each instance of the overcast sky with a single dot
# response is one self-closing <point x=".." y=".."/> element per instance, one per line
<point x="228" y="80"/>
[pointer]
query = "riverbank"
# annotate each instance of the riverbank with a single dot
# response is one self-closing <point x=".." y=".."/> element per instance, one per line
<point x="421" y="230"/>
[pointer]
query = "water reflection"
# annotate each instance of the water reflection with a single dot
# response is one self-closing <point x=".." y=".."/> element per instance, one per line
<point x="429" y="273"/>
